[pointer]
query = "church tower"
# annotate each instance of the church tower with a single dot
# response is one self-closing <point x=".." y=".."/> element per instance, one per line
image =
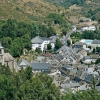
<point x="1" y="54"/>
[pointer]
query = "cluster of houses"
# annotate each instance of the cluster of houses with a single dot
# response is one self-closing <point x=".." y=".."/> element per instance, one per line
<point x="71" y="67"/>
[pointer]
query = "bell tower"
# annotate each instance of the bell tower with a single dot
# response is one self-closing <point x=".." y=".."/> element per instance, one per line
<point x="1" y="54"/>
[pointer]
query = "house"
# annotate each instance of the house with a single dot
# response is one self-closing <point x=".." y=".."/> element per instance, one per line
<point x="74" y="86"/>
<point x="70" y="57"/>
<point x="73" y="28"/>
<point x="54" y="62"/>
<point x="86" y="59"/>
<point x="94" y="58"/>
<point x="59" y="57"/>
<point x="68" y="71"/>
<point x="9" y="60"/>
<point x="23" y="63"/>
<point x="89" y="78"/>
<point x="95" y="43"/>
<point x="41" y="67"/>
<point x="53" y="40"/>
<point x="81" y="53"/>
<point x="63" y="49"/>
<point x="83" y="87"/>
<point x="6" y="59"/>
<point x="40" y="42"/>
<point x="89" y="59"/>
<point x="84" y="29"/>
<point x="90" y="28"/>
<point x="79" y="45"/>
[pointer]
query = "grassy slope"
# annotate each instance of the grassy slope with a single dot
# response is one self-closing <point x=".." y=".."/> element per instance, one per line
<point x="30" y="10"/>
<point x="34" y="11"/>
<point x="26" y="10"/>
<point x="83" y="10"/>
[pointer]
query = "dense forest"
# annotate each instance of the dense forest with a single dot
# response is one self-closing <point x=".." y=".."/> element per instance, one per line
<point x="24" y="85"/>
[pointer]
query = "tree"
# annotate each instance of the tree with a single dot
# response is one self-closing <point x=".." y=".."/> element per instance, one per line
<point x="94" y="18"/>
<point x="97" y="61"/>
<point x="89" y="46"/>
<point x="38" y="50"/>
<point x="99" y="20"/>
<point x="22" y="85"/>
<point x="64" y="31"/>
<point x="94" y="94"/>
<point x="98" y="49"/>
<point x="68" y="42"/>
<point x="93" y="50"/>
<point x="49" y="46"/>
<point x="58" y="44"/>
<point x="88" y="35"/>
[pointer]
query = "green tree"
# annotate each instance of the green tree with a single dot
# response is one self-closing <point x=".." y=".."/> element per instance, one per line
<point x="98" y="49"/>
<point x="89" y="46"/>
<point x="49" y="46"/>
<point x="93" y="50"/>
<point x="58" y="44"/>
<point x="64" y="31"/>
<point x="94" y="94"/>
<point x="88" y="35"/>
<point x="68" y="42"/>
<point x="97" y="61"/>
<point x="38" y="50"/>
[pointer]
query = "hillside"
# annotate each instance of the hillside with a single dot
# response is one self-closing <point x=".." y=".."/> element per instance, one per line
<point x="25" y="10"/>
<point x="31" y="10"/>
<point x="87" y="8"/>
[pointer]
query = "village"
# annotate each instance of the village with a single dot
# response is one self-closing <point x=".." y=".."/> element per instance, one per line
<point x="71" y="68"/>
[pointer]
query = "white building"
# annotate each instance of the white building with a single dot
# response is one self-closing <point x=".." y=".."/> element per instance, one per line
<point x="90" y="28"/>
<point x="41" y="42"/>
<point x="85" y="29"/>
<point x="73" y="28"/>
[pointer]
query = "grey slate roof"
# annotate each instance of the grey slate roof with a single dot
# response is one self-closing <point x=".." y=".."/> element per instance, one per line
<point x="23" y="62"/>
<point x="53" y="39"/>
<point x="64" y="68"/>
<point x="89" y="78"/>
<point x="40" y="66"/>
<point x="78" y="45"/>
<point x="63" y="48"/>
<point x="82" y="87"/>
<point x="59" y="57"/>
<point x="70" y="85"/>
<point x="84" y="74"/>
<point x="38" y="39"/>
<point x="95" y="41"/>
<point x="86" y="57"/>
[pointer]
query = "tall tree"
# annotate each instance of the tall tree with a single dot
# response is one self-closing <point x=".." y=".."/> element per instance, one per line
<point x="58" y="44"/>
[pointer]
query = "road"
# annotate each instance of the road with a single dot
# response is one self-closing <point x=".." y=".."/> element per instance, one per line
<point x="67" y="36"/>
